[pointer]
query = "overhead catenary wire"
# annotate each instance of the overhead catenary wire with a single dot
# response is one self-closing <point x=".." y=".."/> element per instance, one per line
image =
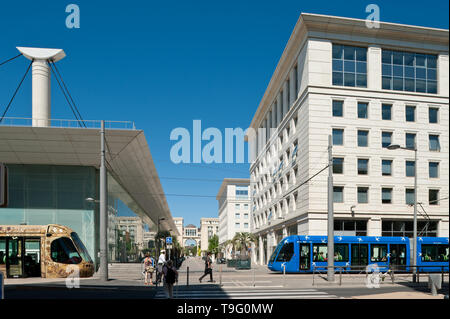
<point x="15" y="92"/>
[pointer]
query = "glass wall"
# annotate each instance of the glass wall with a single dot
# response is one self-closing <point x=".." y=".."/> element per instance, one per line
<point x="49" y="194"/>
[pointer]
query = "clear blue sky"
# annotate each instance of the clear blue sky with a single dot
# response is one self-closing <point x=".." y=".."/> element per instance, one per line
<point x="163" y="64"/>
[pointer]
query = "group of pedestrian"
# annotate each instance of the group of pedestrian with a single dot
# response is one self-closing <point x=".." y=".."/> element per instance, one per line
<point x="163" y="268"/>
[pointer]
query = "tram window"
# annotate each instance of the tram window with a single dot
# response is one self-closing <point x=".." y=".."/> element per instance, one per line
<point x="275" y="252"/>
<point x="2" y="251"/>
<point x="286" y="252"/>
<point x="435" y="253"/>
<point x="379" y="253"/>
<point x="63" y="251"/>
<point x="81" y="248"/>
<point x="341" y="252"/>
<point x="320" y="252"/>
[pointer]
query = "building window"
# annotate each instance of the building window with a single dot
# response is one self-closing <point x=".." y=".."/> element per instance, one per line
<point x="410" y="113"/>
<point x="434" y="143"/>
<point x="433" y="168"/>
<point x="386" y="167"/>
<point x="386" y="139"/>
<point x="246" y="216"/>
<point x="363" y="195"/>
<point x="433" y="197"/>
<point x="245" y="225"/>
<point x="402" y="228"/>
<point x="338" y="136"/>
<point x="386" y="195"/>
<point x="410" y="140"/>
<point x="338" y="108"/>
<point x="410" y="168"/>
<point x="349" y="66"/>
<point x="237" y="215"/>
<point x="343" y="227"/>
<point x="237" y="206"/>
<point x="386" y="111"/>
<point x="363" y="138"/>
<point x="404" y="71"/>
<point x="363" y="166"/>
<point x="245" y="206"/>
<point x="409" y="196"/>
<point x="363" y="110"/>
<point x="433" y="114"/>
<point x="338" y="165"/>
<point x="338" y="194"/>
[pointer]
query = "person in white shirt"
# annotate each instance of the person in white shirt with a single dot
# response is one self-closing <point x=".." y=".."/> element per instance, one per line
<point x="161" y="263"/>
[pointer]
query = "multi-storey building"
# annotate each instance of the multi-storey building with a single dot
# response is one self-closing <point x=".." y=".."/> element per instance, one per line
<point x="367" y="88"/>
<point x="208" y="228"/>
<point x="134" y="227"/>
<point x="234" y="208"/>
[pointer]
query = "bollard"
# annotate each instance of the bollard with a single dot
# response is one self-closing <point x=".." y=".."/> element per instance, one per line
<point x="284" y="275"/>
<point x="253" y="277"/>
<point x="220" y="271"/>
<point x="187" y="276"/>
<point x="340" y="277"/>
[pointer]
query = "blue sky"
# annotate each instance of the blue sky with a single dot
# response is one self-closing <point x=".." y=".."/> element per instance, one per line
<point x="164" y="64"/>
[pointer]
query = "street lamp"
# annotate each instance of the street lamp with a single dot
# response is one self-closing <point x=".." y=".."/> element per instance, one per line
<point x="158" y="239"/>
<point x="395" y="147"/>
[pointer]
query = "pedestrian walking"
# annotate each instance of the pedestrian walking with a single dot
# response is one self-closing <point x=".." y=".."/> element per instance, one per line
<point x="208" y="268"/>
<point x="161" y="263"/>
<point x="149" y="268"/>
<point x="170" y="277"/>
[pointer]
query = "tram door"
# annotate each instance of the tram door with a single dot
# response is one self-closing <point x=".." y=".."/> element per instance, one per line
<point x="14" y="257"/>
<point x="397" y="254"/>
<point x="360" y="254"/>
<point x="305" y="256"/>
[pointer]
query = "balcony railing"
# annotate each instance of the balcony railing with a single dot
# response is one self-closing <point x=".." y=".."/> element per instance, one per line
<point x="63" y="123"/>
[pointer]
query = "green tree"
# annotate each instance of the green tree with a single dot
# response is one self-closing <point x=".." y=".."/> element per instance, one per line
<point x="242" y="241"/>
<point x="213" y="245"/>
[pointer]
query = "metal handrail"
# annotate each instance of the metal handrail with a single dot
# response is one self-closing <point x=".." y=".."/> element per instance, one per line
<point x="391" y="270"/>
<point x="67" y="123"/>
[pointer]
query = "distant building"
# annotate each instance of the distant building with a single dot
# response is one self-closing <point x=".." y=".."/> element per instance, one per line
<point x="149" y="239"/>
<point x="134" y="227"/>
<point x="208" y="228"/>
<point x="234" y="211"/>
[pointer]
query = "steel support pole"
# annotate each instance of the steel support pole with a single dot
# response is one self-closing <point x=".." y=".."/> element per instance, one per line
<point x="330" y="269"/>
<point x="103" y="269"/>
<point x="415" y="215"/>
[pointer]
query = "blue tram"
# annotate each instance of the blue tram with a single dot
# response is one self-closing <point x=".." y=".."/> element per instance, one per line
<point x="300" y="254"/>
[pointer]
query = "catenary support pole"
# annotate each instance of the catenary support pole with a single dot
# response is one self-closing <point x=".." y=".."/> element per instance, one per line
<point x="103" y="270"/>
<point x="330" y="269"/>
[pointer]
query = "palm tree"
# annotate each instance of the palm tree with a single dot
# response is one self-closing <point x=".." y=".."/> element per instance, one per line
<point x="242" y="241"/>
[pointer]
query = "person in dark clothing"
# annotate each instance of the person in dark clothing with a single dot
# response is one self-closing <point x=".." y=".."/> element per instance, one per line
<point x="208" y="268"/>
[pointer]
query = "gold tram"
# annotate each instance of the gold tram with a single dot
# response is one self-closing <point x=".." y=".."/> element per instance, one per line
<point x="49" y="251"/>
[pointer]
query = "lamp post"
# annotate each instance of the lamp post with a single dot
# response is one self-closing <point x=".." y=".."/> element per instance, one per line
<point x="157" y="233"/>
<point x="395" y="147"/>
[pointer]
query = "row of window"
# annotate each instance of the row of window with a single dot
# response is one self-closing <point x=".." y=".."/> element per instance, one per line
<point x="238" y="225"/>
<point x="386" y="111"/>
<point x="386" y="195"/>
<point x="238" y="206"/>
<point x="386" y="167"/>
<point x="238" y="215"/>
<point x="386" y="139"/>
<point x="401" y="71"/>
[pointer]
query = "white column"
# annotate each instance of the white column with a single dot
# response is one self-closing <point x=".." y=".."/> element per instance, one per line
<point x="374" y="68"/>
<point x="284" y="231"/>
<point x="274" y="116"/>
<point x="41" y="93"/>
<point x="374" y="226"/>
<point x="261" y="250"/>
<point x="442" y="67"/>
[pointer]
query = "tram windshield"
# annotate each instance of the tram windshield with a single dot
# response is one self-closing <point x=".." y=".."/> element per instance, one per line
<point x="81" y="248"/>
<point x="275" y="252"/>
<point x="63" y="251"/>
